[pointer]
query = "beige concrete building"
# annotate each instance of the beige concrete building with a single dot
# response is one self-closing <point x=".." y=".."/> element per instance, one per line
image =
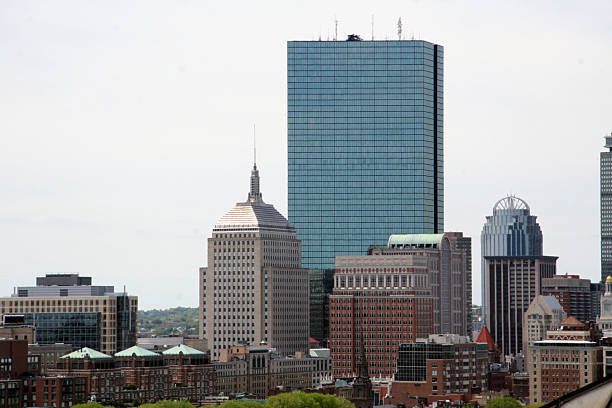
<point x="258" y="370"/>
<point x="66" y="308"/>
<point x="512" y="282"/>
<point x="543" y="314"/>
<point x="604" y="321"/>
<point x="17" y="332"/>
<point x="254" y="289"/>
<point x="567" y="360"/>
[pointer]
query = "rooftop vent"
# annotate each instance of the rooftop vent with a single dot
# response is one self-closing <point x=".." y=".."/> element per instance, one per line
<point x="354" y="37"/>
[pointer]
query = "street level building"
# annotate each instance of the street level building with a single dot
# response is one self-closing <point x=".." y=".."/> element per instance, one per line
<point x="543" y="314"/>
<point x="568" y="359"/>
<point x="387" y="300"/>
<point x="137" y="374"/>
<point x="512" y="282"/>
<point x="510" y="231"/>
<point x="14" y="328"/>
<point x="254" y="288"/>
<point x="573" y="293"/>
<point x="365" y="146"/>
<point x="605" y="320"/>
<point x="49" y="354"/>
<point x="260" y="370"/>
<point x="440" y="365"/>
<point x="65" y="308"/>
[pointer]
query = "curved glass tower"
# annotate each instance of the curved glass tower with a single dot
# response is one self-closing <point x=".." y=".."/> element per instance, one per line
<point x="510" y="231"/>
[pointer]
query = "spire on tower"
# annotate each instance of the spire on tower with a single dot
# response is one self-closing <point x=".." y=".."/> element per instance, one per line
<point x="362" y="364"/>
<point x="254" y="148"/>
<point x="254" y="193"/>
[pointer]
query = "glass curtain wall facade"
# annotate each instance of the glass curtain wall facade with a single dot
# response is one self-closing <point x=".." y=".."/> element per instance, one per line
<point x="78" y="329"/>
<point x="510" y="231"/>
<point x="605" y="167"/>
<point x="365" y="144"/>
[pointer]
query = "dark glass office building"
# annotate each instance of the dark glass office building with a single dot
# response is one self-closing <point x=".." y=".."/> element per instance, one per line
<point x="510" y="231"/>
<point x="365" y="134"/>
<point x="365" y="144"/>
<point x="79" y="329"/>
<point x="605" y="167"/>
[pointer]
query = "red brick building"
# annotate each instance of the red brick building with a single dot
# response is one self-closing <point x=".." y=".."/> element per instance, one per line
<point x="142" y="375"/>
<point x="21" y="384"/>
<point x="387" y="305"/>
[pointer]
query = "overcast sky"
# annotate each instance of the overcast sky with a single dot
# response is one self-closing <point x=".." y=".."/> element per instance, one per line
<point x="126" y="126"/>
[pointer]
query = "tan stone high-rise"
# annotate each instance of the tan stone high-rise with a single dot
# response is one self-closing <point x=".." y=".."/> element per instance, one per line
<point x="254" y="289"/>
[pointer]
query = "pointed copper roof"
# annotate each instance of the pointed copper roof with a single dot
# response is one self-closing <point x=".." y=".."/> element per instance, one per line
<point x="572" y="321"/>
<point x="485" y="337"/>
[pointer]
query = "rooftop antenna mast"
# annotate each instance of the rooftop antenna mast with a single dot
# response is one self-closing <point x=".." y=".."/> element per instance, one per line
<point x="254" y="147"/>
<point x="372" y="27"/>
<point x="399" y="29"/>
<point x="336" y="28"/>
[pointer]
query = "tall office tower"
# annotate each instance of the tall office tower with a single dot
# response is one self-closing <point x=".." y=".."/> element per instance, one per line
<point x="66" y="308"/>
<point x="510" y="231"/>
<point x="573" y="293"/>
<point x="253" y="289"/>
<point x="365" y="135"/>
<point x="605" y="170"/>
<point x="383" y="300"/>
<point x="512" y="282"/>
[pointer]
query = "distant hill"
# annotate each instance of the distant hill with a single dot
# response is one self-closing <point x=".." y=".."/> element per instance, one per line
<point x="177" y="321"/>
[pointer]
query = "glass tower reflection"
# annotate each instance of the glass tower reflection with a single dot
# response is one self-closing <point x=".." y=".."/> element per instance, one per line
<point x="365" y="144"/>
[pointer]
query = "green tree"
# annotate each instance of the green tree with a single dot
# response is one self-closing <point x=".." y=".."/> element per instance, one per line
<point x="506" y="402"/>
<point x="89" y="405"/>
<point x="242" y="404"/>
<point x="299" y="399"/>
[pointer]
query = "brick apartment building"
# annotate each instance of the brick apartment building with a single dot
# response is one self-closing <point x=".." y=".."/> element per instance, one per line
<point x="568" y="359"/>
<point x="141" y="375"/>
<point x="22" y="385"/>
<point x="384" y="302"/>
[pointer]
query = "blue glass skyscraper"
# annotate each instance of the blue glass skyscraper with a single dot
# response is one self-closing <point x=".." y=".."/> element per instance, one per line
<point x="365" y="142"/>
<point x="510" y="231"/>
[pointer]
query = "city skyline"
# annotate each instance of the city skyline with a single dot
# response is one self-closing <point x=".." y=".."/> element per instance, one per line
<point x="117" y="125"/>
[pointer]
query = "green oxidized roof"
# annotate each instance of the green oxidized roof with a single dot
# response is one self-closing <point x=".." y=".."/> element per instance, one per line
<point x="186" y="350"/>
<point x="138" y="351"/>
<point x="414" y="239"/>
<point x="86" y="352"/>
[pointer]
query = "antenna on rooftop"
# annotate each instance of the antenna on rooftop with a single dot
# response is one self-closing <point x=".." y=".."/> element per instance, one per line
<point x="372" y="27"/>
<point x="254" y="147"/>
<point x="399" y="29"/>
<point x="336" y="28"/>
